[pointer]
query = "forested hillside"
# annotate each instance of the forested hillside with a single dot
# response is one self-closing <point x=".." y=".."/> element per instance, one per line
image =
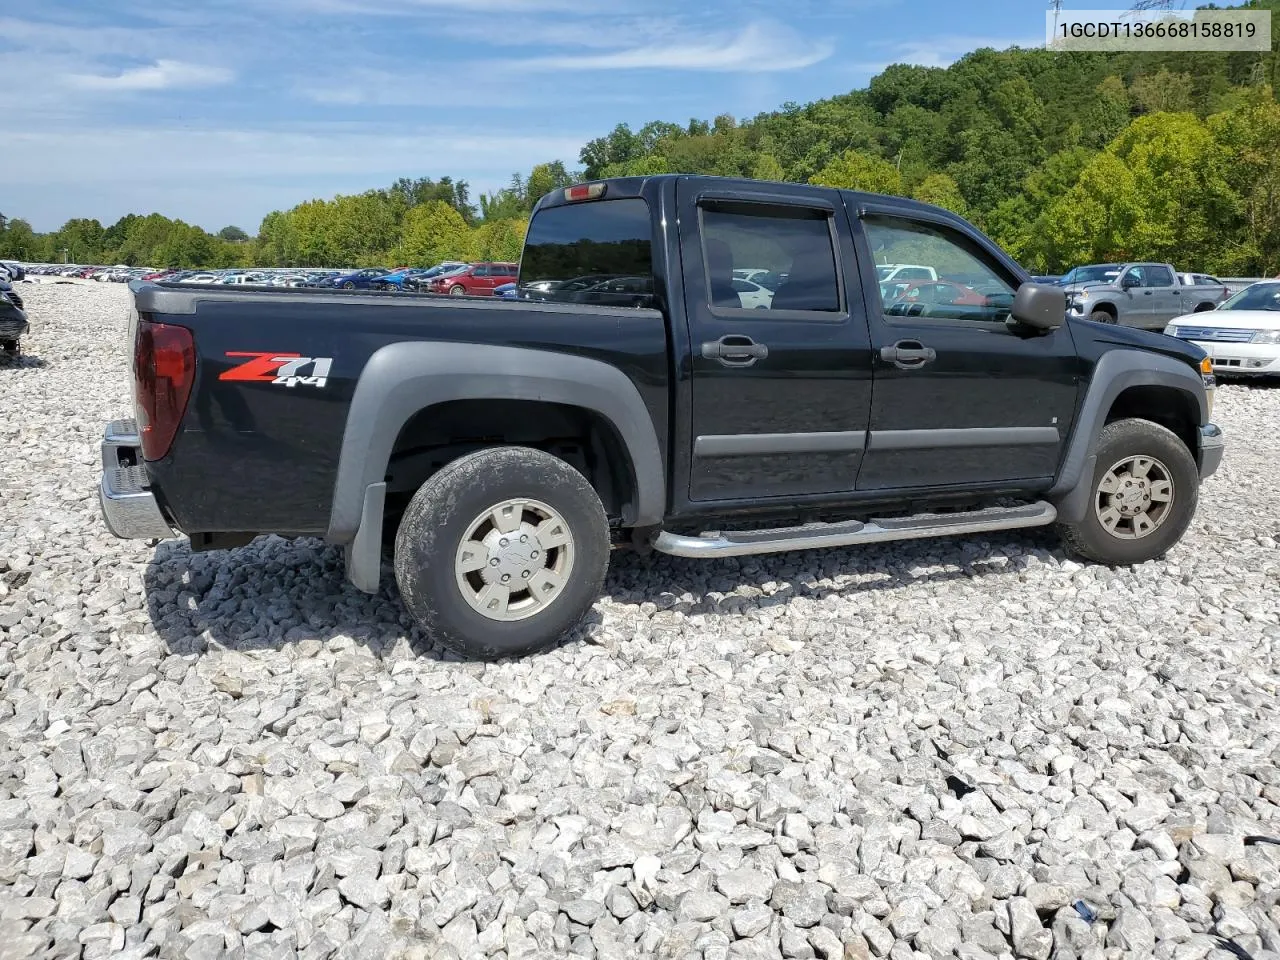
<point x="1062" y="157"/>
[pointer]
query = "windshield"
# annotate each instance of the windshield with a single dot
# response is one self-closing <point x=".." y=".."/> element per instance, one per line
<point x="883" y="271"/>
<point x="1094" y="274"/>
<point x="1260" y="296"/>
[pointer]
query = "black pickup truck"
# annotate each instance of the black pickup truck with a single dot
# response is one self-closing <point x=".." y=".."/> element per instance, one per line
<point x="644" y="391"/>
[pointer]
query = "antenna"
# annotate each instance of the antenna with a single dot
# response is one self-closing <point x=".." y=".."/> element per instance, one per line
<point x="1057" y="11"/>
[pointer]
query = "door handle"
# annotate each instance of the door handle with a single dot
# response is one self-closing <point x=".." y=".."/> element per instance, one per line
<point x="908" y="354"/>
<point x="734" y="350"/>
<point x="1146" y="293"/>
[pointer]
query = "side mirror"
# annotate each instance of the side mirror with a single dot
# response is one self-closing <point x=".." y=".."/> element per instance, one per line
<point x="1040" y="306"/>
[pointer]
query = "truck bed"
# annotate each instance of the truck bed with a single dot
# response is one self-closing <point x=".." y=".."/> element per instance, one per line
<point x="264" y="455"/>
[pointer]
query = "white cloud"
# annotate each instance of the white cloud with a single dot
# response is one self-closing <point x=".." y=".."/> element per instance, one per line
<point x="760" y="47"/>
<point x="161" y="75"/>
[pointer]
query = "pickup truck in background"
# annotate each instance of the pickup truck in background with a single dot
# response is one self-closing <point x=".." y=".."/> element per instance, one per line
<point x="503" y="447"/>
<point x="1145" y="295"/>
<point x="13" y="321"/>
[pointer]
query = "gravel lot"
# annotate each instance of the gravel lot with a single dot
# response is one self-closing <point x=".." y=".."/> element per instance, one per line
<point x="972" y="748"/>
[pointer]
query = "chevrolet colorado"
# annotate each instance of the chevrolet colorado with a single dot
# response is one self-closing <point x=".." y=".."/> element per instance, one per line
<point x="502" y="447"/>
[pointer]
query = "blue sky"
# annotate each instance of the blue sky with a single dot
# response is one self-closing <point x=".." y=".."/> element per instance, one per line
<point x="219" y="111"/>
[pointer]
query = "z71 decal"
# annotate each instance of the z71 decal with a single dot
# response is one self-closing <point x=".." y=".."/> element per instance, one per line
<point x="279" y="368"/>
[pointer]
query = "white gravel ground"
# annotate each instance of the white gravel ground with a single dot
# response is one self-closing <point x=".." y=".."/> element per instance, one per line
<point x="973" y="747"/>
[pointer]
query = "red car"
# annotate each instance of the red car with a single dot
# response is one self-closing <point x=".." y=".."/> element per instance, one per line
<point x="944" y="292"/>
<point x="477" y="280"/>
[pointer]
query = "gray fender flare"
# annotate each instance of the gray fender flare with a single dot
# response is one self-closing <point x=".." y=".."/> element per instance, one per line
<point x="1115" y="372"/>
<point x="404" y="378"/>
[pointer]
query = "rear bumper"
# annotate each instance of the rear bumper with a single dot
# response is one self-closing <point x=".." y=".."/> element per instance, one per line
<point x="129" y="507"/>
<point x="1212" y="446"/>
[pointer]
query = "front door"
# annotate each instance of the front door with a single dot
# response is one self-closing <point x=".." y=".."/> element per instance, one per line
<point x="961" y="397"/>
<point x="1166" y="294"/>
<point x="781" y="386"/>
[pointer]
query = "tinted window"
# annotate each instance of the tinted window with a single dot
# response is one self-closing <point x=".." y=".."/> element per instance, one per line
<point x="1159" y="277"/>
<point x="971" y="286"/>
<point x="574" y="248"/>
<point x="787" y="240"/>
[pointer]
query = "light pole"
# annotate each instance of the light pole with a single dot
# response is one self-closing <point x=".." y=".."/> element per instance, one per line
<point x="65" y="251"/>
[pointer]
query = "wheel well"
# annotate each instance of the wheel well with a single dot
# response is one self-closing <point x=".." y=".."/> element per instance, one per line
<point x="1103" y="308"/>
<point x="437" y="435"/>
<point x="1170" y="408"/>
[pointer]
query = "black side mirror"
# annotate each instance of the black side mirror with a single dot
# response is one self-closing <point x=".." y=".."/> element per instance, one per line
<point x="1040" y="306"/>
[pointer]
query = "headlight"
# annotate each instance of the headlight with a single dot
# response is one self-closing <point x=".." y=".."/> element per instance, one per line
<point x="1171" y="331"/>
<point x="1266" y="336"/>
<point x="1081" y="295"/>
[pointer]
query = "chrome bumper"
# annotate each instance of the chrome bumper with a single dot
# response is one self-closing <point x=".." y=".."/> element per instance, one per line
<point x="1212" y="446"/>
<point x="128" y="505"/>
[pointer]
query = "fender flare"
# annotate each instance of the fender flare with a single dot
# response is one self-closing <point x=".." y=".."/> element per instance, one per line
<point x="403" y="379"/>
<point x="1115" y="372"/>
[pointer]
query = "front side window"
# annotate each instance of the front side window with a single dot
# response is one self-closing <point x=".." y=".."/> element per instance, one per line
<point x="792" y="243"/>
<point x="1136" y="277"/>
<point x="965" y="283"/>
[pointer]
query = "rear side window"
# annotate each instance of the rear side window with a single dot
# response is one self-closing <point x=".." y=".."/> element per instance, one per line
<point x="572" y="252"/>
<point x="1159" y="277"/>
<point x="791" y="243"/>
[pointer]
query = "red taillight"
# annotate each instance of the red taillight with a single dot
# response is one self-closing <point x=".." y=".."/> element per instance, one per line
<point x="584" y="191"/>
<point x="164" y="368"/>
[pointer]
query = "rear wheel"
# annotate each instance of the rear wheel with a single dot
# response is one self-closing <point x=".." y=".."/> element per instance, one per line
<point x="1145" y="489"/>
<point x="502" y="552"/>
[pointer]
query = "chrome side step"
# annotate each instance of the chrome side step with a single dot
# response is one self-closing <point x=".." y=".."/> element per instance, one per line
<point x="852" y="532"/>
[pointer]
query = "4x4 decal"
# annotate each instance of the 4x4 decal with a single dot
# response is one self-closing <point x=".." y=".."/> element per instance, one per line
<point x="279" y="368"/>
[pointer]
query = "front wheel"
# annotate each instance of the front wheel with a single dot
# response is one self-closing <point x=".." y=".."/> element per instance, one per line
<point x="1102" y="316"/>
<point x="1144" y="495"/>
<point x="348" y="285"/>
<point x="457" y="290"/>
<point x="502" y="552"/>
<point x="11" y="348"/>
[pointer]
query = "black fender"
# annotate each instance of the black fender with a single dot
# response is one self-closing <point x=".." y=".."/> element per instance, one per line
<point x="1114" y="373"/>
<point x="402" y="379"/>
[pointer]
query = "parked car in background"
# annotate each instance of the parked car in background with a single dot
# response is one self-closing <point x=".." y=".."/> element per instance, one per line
<point x="14" y="270"/>
<point x="754" y="296"/>
<point x="423" y="282"/>
<point x="1242" y="335"/>
<point x="476" y="280"/>
<point x="355" y="279"/>
<point x="895" y="272"/>
<point x="13" y="320"/>
<point x="201" y="278"/>
<point x="507" y="291"/>
<point x="919" y="298"/>
<point x="1221" y="292"/>
<point x="1047" y="278"/>
<point x="1144" y="295"/>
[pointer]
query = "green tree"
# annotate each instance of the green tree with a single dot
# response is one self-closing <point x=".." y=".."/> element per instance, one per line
<point x="500" y="240"/>
<point x="434" y="232"/>
<point x="233" y="234"/>
<point x="853" y="170"/>
<point x="940" y="190"/>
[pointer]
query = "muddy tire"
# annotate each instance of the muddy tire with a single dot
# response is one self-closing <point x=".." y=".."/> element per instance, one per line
<point x="502" y="552"/>
<point x="1143" y="497"/>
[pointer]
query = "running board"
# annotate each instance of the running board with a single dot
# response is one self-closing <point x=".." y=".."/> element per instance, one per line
<point x="852" y="532"/>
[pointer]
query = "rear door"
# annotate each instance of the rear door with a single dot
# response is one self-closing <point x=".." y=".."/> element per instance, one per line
<point x="961" y="398"/>
<point x="780" y="389"/>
